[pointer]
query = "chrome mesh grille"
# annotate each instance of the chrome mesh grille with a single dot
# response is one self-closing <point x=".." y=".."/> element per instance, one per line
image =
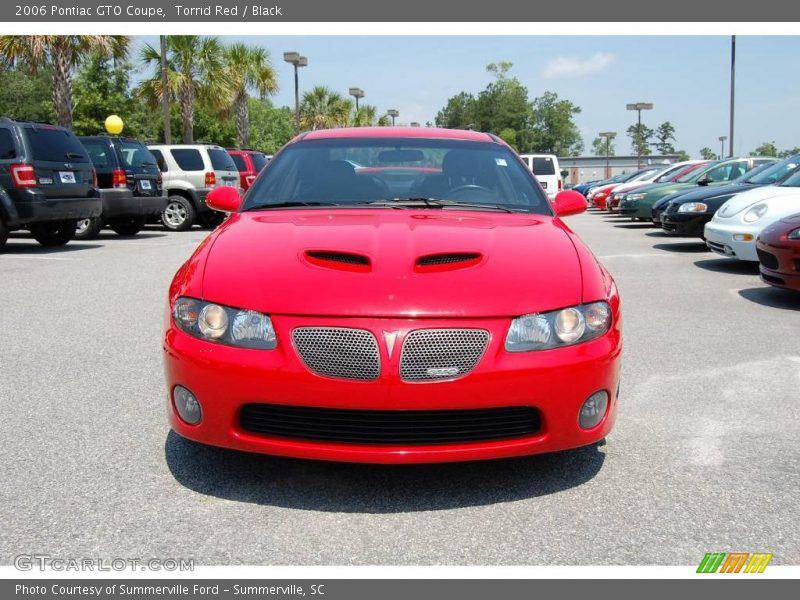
<point x="434" y="354"/>
<point x="338" y="352"/>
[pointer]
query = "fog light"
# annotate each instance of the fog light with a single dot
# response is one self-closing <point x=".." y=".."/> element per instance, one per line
<point x="593" y="410"/>
<point x="187" y="405"/>
<point x="743" y="237"/>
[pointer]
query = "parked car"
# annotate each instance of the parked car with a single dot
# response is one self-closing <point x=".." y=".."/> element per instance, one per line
<point x="547" y="171"/>
<point x="599" y="193"/>
<point x="330" y="319"/>
<point x="687" y="213"/>
<point x="639" y="204"/>
<point x="672" y="173"/>
<point x="249" y="164"/>
<point x="47" y="182"/>
<point x="778" y="249"/>
<point x="129" y="183"/>
<point x="190" y="172"/>
<point x="736" y="225"/>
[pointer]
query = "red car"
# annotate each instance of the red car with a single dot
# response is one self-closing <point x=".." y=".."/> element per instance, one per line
<point x="249" y="164"/>
<point x="437" y="313"/>
<point x="778" y="248"/>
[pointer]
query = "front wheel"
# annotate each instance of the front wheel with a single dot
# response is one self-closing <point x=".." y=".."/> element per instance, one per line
<point x="54" y="234"/>
<point x="128" y="226"/>
<point x="179" y="215"/>
<point x="89" y="229"/>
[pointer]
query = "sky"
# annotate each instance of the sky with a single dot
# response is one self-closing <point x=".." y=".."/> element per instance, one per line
<point x="687" y="78"/>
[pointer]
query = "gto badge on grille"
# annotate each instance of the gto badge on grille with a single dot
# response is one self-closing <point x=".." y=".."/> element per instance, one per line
<point x="442" y="371"/>
<point x="391" y="338"/>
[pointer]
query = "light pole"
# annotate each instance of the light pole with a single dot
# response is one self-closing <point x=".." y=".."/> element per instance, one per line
<point x="165" y="92"/>
<point x="356" y="93"/>
<point x="394" y="113"/>
<point x="722" y="139"/>
<point x="609" y="135"/>
<point x="294" y="58"/>
<point x="639" y="107"/>
<point x="733" y="90"/>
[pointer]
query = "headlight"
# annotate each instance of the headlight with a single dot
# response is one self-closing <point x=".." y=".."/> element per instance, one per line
<point x="223" y="324"/>
<point x="542" y="331"/>
<point x="755" y="213"/>
<point x="794" y="234"/>
<point x="697" y="207"/>
<point x="634" y="197"/>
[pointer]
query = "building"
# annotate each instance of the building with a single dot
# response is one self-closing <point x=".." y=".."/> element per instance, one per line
<point x="579" y="169"/>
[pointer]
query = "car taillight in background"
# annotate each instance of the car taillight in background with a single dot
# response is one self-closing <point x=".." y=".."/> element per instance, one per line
<point x="23" y="175"/>
<point x="159" y="179"/>
<point x="250" y="179"/>
<point x="94" y="178"/>
<point x="119" y="179"/>
<point x="560" y="184"/>
<point x="211" y="179"/>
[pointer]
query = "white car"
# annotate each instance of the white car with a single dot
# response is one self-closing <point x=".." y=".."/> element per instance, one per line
<point x="547" y="171"/>
<point x="736" y="225"/>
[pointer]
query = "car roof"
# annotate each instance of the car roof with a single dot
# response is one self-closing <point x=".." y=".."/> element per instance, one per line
<point x="398" y="132"/>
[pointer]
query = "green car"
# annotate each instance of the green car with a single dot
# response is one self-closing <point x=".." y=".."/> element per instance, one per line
<point x="638" y="204"/>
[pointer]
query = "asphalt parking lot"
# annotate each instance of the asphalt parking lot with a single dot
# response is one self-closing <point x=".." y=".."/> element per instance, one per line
<point x="704" y="456"/>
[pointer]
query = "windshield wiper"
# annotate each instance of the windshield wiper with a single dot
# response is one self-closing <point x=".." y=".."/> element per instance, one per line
<point x="436" y="203"/>
<point x="291" y="204"/>
<point x="73" y="155"/>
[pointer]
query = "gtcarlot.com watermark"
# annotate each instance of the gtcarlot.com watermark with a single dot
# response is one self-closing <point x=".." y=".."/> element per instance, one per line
<point x="46" y="562"/>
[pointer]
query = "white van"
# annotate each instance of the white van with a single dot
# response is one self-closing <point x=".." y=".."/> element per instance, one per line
<point x="547" y="171"/>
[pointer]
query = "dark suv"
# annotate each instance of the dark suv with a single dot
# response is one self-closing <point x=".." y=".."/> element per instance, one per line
<point x="130" y="185"/>
<point x="47" y="182"/>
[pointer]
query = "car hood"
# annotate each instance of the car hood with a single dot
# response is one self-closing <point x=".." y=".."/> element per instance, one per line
<point x="741" y="201"/>
<point x="705" y="192"/>
<point x="260" y="260"/>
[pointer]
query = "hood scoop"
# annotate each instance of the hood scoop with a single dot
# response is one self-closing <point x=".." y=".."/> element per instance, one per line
<point x="447" y="261"/>
<point x="342" y="261"/>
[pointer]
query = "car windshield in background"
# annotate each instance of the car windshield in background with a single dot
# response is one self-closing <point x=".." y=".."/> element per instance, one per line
<point x="136" y="155"/>
<point x="433" y="173"/>
<point x="221" y="160"/>
<point x="774" y="172"/>
<point x="543" y="166"/>
<point x="793" y="180"/>
<point x="56" y="145"/>
<point x="188" y="159"/>
<point x="98" y="153"/>
<point x="693" y="176"/>
<point x="259" y="161"/>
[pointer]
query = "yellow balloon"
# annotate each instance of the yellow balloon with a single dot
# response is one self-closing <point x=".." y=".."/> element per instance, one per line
<point x="114" y="125"/>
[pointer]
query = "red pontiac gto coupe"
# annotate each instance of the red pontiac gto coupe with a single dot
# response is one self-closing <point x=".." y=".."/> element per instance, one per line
<point x="393" y="295"/>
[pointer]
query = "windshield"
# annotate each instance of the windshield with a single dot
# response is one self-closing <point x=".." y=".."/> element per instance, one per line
<point x="696" y="174"/>
<point x="774" y="172"/>
<point x="452" y="172"/>
<point x="793" y="180"/>
<point x="56" y="145"/>
<point x="221" y="160"/>
<point x="670" y="172"/>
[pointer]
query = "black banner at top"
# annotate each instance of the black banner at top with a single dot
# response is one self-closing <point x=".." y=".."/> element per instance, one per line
<point x="495" y="11"/>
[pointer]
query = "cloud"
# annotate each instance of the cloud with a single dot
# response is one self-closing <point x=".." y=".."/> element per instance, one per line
<point x="570" y="66"/>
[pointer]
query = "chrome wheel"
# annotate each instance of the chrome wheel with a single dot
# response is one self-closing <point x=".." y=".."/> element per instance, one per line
<point x="83" y="225"/>
<point x="175" y="214"/>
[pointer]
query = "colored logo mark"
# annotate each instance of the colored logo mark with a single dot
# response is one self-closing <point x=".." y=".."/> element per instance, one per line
<point x="734" y="562"/>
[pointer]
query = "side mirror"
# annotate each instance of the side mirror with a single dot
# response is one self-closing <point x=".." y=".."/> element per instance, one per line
<point x="704" y="180"/>
<point x="224" y="199"/>
<point x="569" y="202"/>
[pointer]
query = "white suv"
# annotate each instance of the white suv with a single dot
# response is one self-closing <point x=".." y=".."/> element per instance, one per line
<point x="547" y="171"/>
<point x="190" y="172"/>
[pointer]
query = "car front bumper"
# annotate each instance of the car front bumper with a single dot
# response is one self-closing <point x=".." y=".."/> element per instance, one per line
<point x="780" y="264"/>
<point x="554" y="382"/>
<point x="685" y="224"/>
<point x="720" y="238"/>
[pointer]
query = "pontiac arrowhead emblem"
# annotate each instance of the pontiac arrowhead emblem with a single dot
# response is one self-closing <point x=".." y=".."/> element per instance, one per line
<point x="391" y="338"/>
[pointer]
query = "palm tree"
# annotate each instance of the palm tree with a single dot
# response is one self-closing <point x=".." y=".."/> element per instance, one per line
<point x="196" y="74"/>
<point x="61" y="54"/>
<point x="323" y="108"/>
<point x="366" y="116"/>
<point x="248" y="67"/>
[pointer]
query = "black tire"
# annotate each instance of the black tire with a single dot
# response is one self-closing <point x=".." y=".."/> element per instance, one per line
<point x="211" y="219"/>
<point x="90" y="230"/>
<point x="127" y="226"/>
<point x="54" y="234"/>
<point x="3" y="235"/>
<point x="179" y="215"/>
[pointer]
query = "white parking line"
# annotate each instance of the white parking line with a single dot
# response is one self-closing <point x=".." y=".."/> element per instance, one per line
<point x="642" y="255"/>
<point x="27" y="257"/>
